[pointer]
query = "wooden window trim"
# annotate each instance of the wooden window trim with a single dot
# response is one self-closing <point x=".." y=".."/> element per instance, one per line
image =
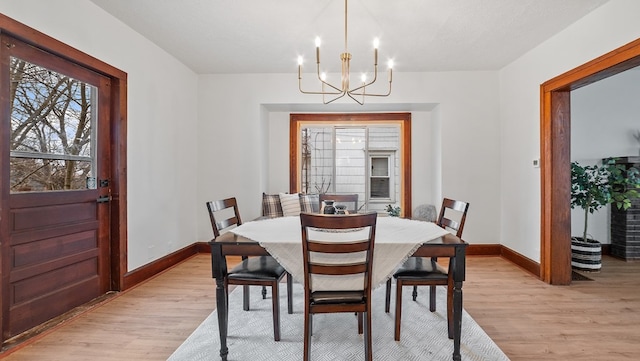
<point x="297" y="121"/>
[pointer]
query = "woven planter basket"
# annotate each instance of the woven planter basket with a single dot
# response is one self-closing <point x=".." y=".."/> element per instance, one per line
<point x="586" y="256"/>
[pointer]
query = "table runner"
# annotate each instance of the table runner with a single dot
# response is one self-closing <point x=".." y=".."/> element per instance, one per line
<point x="396" y="240"/>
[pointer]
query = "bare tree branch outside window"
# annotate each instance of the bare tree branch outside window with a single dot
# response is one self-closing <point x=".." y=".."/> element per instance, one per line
<point x="50" y="137"/>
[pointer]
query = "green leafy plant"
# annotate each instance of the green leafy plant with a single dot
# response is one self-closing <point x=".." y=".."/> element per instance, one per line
<point x="393" y="211"/>
<point x="593" y="187"/>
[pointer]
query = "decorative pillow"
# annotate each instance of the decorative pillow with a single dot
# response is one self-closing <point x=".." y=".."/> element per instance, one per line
<point x="271" y="205"/>
<point x="309" y="203"/>
<point x="290" y="204"/>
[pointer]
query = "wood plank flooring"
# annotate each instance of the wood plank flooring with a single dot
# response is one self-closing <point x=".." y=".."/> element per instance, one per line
<point x="528" y="319"/>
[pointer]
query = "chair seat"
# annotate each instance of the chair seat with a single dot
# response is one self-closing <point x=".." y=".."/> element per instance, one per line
<point x="263" y="267"/>
<point x="320" y="297"/>
<point x="420" y="267"/>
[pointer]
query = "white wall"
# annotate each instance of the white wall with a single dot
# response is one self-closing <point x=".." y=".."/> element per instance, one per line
<point x="604" y="117"/>
<point x="162" y="115"/>
<point x="245" y="121"/>
<point x="608" y="27"/>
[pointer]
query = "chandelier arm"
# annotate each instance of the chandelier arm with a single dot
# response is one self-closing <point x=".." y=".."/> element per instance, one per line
<point x="317" y="93"/>
<point x="334" y="99"/>
<point x="375" y="77"/>
<point x="356" y="100"/>
<point x="338" y="90"/>
<point x="373" y="95"/>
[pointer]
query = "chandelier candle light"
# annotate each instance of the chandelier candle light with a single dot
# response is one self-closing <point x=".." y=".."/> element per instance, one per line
<point x="339" y="92"/>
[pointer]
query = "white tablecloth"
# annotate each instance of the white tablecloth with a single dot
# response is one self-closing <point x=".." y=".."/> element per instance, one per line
<point x="396" y="240"/>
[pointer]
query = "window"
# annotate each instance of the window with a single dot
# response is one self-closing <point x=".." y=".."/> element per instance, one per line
<point x="367" y="154"/>
<point x="381" y="185"/>
<point x="52" y="124"/>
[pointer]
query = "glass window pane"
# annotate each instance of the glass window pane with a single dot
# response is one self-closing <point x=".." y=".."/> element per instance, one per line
<point x="350" y="161"/>
<point x="38" y="175"/>
<point x="380" y="188"/>
<point x="317" y="160"/>
<point x="380" y="167"/>
<point x="51" y="139"/>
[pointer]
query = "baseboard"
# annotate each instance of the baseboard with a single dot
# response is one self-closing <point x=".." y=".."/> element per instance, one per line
<point x="484" y="250"/>
<point x="512" y="256"/>
<point x="151" y="269"/>
<point x="526" y="263"/>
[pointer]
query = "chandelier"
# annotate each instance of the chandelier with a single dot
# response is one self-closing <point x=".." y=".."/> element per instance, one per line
<point x="331" y="92"/>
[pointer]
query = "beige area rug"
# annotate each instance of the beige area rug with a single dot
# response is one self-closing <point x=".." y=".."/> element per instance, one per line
<point x="335" y="336"/>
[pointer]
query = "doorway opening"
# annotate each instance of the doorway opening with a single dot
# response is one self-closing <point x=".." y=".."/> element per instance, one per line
<point x="555" y="145"/>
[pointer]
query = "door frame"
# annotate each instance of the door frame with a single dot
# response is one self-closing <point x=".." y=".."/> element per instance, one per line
<point x="555" y="153"/>
<point x="118" y="129"/>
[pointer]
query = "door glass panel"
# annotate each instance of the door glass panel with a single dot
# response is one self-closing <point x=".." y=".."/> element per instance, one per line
<point x="317" y="160"/>
<point x="52" y="130"/>
<point x="350" y="161"/>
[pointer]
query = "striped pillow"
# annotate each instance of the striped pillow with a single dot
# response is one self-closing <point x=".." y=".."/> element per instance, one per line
<point x="309" y="203"/>
<point x="290" y="204"/>
<point x="271" y="205"/>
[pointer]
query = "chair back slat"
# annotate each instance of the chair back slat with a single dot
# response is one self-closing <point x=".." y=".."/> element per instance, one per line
<point x="336" y="270"/>
<point x="451" y="206"/>
<point x="218" y="209"/>
<point x="333" y="247"/>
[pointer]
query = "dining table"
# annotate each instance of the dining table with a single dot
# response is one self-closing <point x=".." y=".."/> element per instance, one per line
<point x="281" y="237"/>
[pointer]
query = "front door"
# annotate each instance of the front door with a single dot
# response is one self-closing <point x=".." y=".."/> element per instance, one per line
<point x="55" y="187"/>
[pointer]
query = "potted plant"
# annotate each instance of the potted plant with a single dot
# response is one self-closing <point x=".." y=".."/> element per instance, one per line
<point x="593" y="187"/>
<point x="393" y="211"/>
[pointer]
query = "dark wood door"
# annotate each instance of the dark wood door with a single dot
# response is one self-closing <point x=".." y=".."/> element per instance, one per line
<point x="55" y="161"/>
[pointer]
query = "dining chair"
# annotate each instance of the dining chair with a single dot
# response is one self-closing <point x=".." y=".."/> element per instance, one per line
<point x="421" y="271"/>
<point x="349" y="200"/>
<point x="325" y="257"/>
<point x="262" y="271"/>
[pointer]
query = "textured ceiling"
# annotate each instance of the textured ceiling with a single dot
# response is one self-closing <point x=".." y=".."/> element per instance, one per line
<point x="267" y="36"/>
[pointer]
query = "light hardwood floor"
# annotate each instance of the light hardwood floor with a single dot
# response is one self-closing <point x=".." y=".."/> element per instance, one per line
<point x="528" y="319"/>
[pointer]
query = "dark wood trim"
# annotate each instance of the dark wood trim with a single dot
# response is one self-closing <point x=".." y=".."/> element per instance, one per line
<point x="151" y="269"/>
<point x="405" y="167"/>
<point x="484" y="250"/>
<point x="555" y="123"/>
<point x="516" y="258"/>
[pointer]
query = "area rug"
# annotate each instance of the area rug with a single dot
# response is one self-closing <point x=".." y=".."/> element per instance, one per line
<point x="335" y="336"/>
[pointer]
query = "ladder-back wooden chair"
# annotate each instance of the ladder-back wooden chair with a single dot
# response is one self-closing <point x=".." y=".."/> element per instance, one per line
<point x="262" y="271"/>
<point x="420" y="271"/>
<point x="316" y="244"/>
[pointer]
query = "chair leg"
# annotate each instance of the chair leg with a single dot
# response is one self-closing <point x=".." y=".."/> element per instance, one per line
<point x="396" y="334"/>
<point x="275" y="301"/>
<point x="432" y="298"/>
<point x="360" y="323"/>
<point x="368" y="352"/>
<point x="307" y="335"/>
<point x="245" y="298"/>
<point x="264" y="292"/>
<point x="414" y="294"/>
<point x="289" y="293"/>
<point x="387" y="300"/>
<point x="450" y="308"/>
